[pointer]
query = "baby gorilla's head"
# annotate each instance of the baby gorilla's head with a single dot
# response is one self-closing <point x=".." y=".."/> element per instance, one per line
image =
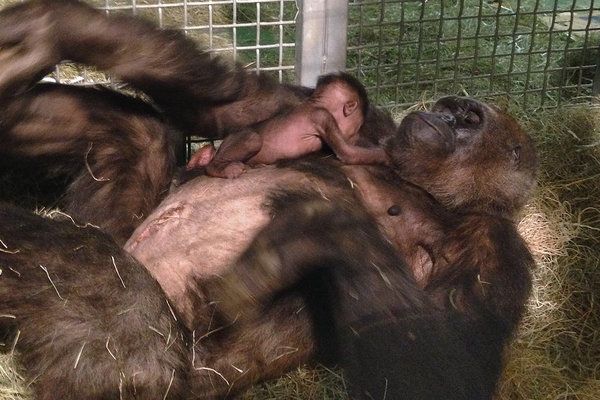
<point x="345" y="98"/>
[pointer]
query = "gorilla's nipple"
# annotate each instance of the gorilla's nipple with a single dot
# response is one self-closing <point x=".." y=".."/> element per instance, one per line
<point x="394" y="210"/>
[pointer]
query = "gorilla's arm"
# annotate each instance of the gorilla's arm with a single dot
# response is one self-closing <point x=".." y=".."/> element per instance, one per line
<point x="344" y="239"/>
<point x="366" y="312"/>
<point x="170" y="68"/>
<point x="114" y="152"/>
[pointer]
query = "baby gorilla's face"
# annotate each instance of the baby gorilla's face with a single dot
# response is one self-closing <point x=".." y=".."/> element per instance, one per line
<point x="344" y="104"/>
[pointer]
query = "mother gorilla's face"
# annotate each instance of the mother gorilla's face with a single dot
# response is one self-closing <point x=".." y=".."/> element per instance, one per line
<point x="466" y="154"/>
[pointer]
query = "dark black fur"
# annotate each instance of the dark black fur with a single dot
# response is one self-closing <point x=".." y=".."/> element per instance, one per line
<point x="85" y="327"/>
<point x="111" y="156"/>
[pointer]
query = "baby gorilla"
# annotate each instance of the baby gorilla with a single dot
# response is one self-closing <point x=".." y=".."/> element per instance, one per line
<point x="333" y="115"/>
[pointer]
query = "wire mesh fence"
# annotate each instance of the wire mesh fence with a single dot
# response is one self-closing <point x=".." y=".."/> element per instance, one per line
<point x="532" y="52"/>
<point x="535" y="53"/>
<point x="260" y="34"/>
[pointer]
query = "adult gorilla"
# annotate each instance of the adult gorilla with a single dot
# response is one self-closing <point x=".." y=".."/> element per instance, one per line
<point x="462" y="172"/>
<point x="264" y="272"/>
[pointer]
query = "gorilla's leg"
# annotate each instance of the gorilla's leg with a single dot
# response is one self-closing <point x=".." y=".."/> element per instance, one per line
<point x="87" y="321"/>
<point x="115" y="151"/>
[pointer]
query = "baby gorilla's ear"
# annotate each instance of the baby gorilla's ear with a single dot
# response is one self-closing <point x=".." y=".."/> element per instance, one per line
<point x="350" y="107"/>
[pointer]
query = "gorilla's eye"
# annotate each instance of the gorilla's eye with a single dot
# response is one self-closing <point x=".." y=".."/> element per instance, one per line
<point x="471" y="118"/>
<point x="516" y="153"/>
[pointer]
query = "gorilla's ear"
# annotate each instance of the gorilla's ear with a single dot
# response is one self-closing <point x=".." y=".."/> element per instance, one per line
<point x="350" y="107"/>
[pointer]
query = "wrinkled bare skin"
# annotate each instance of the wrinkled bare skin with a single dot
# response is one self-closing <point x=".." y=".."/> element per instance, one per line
<point x="212" y="221"/>
<point x="208" y="222"/>
<point x="333" y="115"/>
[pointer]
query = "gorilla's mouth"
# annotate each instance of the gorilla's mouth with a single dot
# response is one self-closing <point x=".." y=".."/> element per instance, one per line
<point x="437" y="121"/>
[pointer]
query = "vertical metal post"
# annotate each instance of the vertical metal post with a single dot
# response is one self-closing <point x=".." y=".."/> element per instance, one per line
<point x="321" y="38"/>
<point x="596" y="81"/>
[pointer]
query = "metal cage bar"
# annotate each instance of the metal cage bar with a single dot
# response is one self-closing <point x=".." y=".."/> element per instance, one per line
<point x="535" y="53"/>
<point x="321" y="39"/>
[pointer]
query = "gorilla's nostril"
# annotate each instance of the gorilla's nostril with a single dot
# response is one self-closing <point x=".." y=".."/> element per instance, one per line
<point x="448" y="119"/>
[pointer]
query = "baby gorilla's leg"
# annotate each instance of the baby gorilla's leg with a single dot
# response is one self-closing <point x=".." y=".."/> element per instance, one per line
<point x="229" y="171"/>
<point x="236" y="148"/>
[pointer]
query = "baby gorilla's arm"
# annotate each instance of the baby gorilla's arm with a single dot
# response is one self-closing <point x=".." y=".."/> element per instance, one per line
<point x="329" y="132"/>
